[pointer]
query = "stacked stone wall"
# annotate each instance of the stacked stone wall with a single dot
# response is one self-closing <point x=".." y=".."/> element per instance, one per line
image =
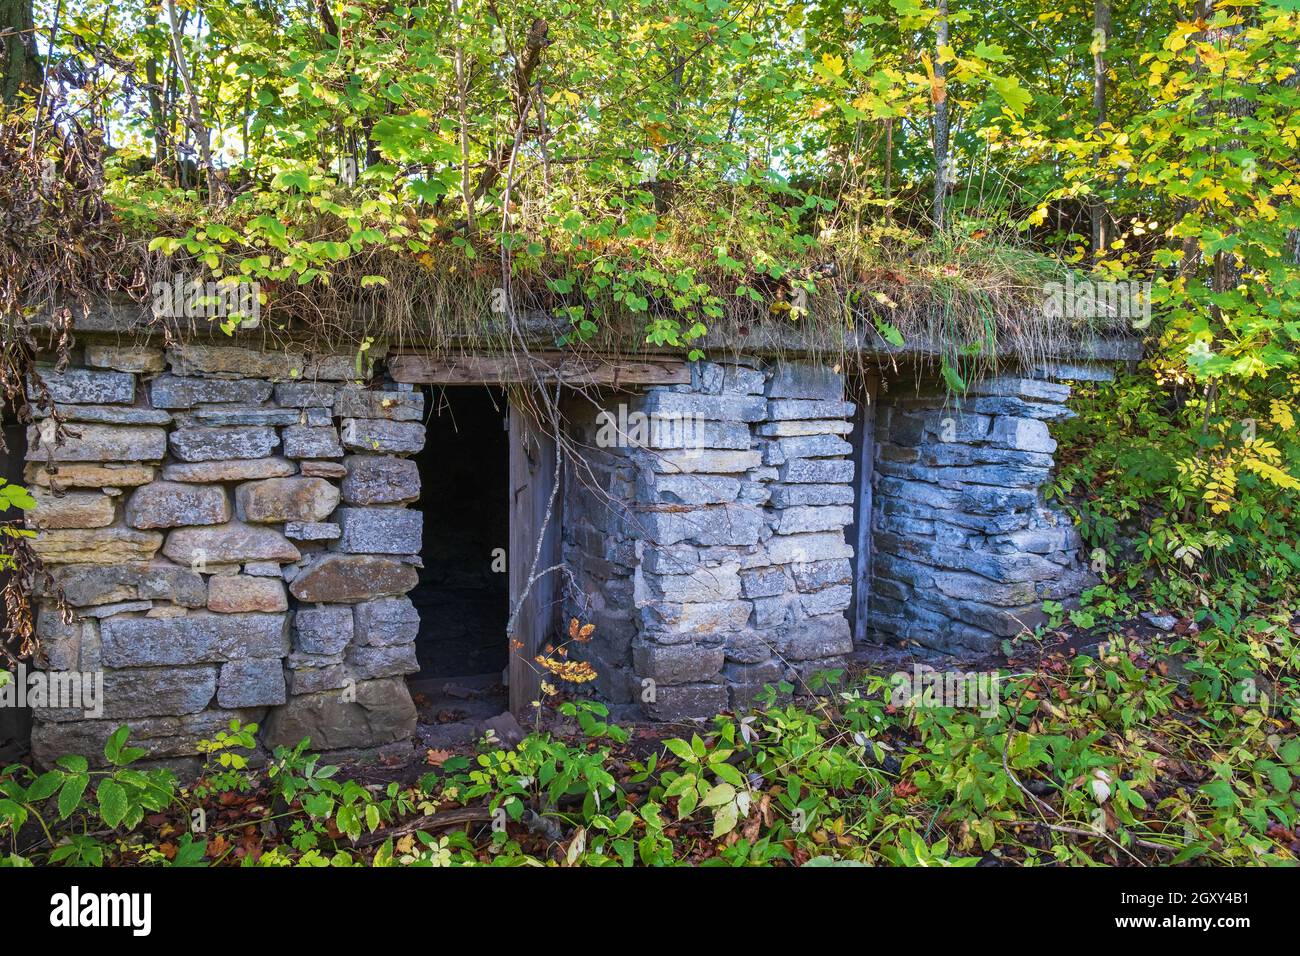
<point x="965" y="547"/>
<point x="231" y="530"/>
<point x="722" y="564"/>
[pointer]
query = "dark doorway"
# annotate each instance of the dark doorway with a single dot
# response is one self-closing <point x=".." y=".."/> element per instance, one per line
<point x="15" y="723"/>
<point x="463" y="594"/>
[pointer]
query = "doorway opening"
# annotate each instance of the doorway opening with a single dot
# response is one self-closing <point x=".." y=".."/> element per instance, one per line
<point x="15" y="722"/>
<point x="463" y="594"/>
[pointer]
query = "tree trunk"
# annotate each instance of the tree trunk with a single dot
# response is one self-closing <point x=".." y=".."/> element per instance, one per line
<point x="1100" y="38"/>
<point x="20" y="70"/>
<point x="941" y="120"/>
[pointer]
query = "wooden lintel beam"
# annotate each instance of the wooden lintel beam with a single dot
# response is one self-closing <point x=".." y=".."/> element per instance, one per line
<point x="547" y="366"/>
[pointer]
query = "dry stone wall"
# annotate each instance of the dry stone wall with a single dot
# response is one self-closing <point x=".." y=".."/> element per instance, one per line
<point x="234" y="531"/>
<point x="230" y="527"/>
<point x="965" y="547"/>
<point x="707" y="538"/>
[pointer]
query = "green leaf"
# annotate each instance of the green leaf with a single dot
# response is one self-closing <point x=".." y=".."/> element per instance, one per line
<point x="113" y="805"/>
<point x="70" y="796"/>
<point x="722" y="793"/>
<point x="44" y="786"/>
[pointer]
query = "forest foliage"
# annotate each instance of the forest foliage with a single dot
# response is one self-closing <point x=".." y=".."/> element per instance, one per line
<point x="916" y="165"/>
<point x="683" y="161"/>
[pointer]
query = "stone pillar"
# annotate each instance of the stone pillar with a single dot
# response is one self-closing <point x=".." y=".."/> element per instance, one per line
<point x="732" y="551"/>
<point x="966" y="549"/>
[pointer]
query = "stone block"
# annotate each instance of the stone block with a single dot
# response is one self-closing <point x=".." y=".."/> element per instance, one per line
<point x="239" y="593"/>
<point x="129" y="443"/>
<point x="125" y="358"/>
<point x="61" y="641"/>
<point x="794" y="429"/>
<point x="1026" y="388"/>
<point x="677" y="623"/>
<point x="787" y="409"/>
<point x="698" y="433"/>
<point x="1023" y="434"/>
<point x="312" y="680"/>
<point x="804" y="548"/>
<point x="157" y="691"/>
<point x="368" y="663"/>
<point x="676" y="663"/>
<point x="81" y="386"/>
<point x="246" y="415"/>
<point x="351" y="402"/>
<point x="380" y="480"/>
<point x="237" y="470"/>
<point x="764" y="582"/>
<point x="687" y="702"/>
<point x="111" y="545"/>
<point x="169" y="504"/>
<point x="160" y="737"/>
<point x="727" y="408"/>
<point x="326" y="629"/>
<point x="110" y="414"/>
<point x="772" y="612"/>
<point x="323" y="469"/>
<point x="170" y="391"/>
<point x="377" y="713"/>
<point x="712" y="378"/>
<point x="277" y="500"/>
<point x="384" y="530"/>
<point x="829" y="600"/>
<point x="819" y="574"/>
<point x="703" y="461"/>
<point x="307" y="441"/>
<point x="342" y="367"/>
<point x="229" y="543"/>
<point x="704" y="584"/>
<point x="312" y="531"/>
<point x="814" y="446"/>
<point x="806" y="471"/>
<point x="811" y="380"/>
<point x="85" y="475"/>
<point x="252" y="683"/>
<point x="387" y="622"/>
<point x="815" y="638"/>
<point x="686" y="489"/>
<point x="793" y="496"/>
<point x="234" y="362"/>
<point x="196" y="638"/>
<point x="197" y="443"/>
<point x="73" y="509"/>
<point x="351" y="578"/>
<point x="305" y="394"/>
<point x="749" y="646"/>
<point x="121" y="581"/>
<point x="709" y="525"/>
<point x="383" y="437"/>
<point x="971" y="587"/>
<point x="802" y="519"/>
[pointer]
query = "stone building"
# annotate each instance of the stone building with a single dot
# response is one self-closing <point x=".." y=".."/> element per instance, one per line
<point x="274" y="534"/>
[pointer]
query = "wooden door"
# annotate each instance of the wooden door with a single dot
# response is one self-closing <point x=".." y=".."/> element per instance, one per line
<point x="532" y="480"/>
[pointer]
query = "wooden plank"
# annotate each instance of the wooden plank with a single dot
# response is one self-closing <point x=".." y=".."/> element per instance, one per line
<point x="548" y="366"/>
<point x="865" y="449"/>
<point x="532" y="476"/>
